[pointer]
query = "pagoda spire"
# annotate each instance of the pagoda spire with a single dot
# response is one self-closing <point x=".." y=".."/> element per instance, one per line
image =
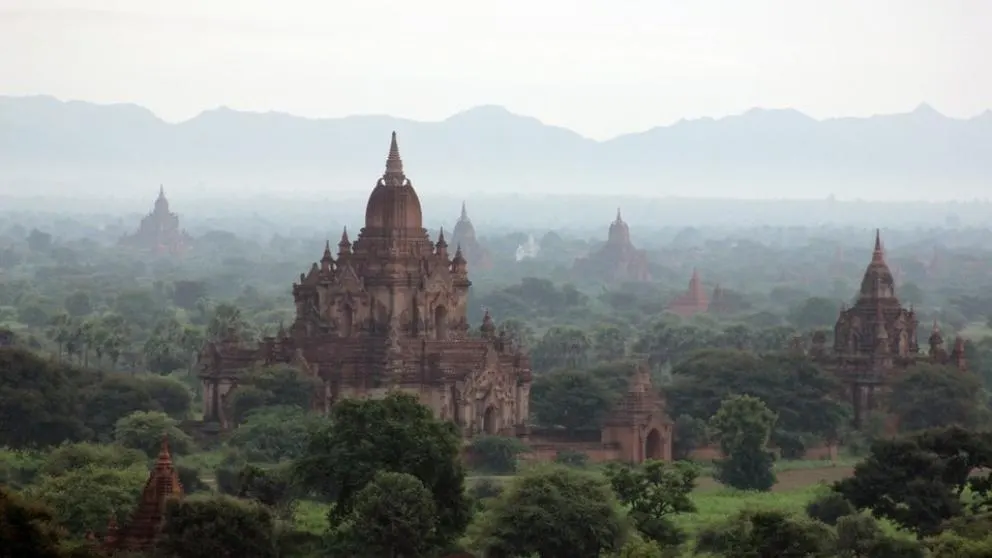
<point x="618" y="215"/>
<point x="344" y="246"/>
<point x="464" y="216"/>
<point x="325" y="261"/>
<point x="878" y="255"/>
<point x="394" y="164"/>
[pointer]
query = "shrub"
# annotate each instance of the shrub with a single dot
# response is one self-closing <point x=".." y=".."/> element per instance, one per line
<point x="829" y="508"/>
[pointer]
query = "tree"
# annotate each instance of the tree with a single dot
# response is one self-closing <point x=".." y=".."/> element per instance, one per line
<point x="496" y="454"/>
<point x="609" y="343"/>
<point x="654" y="493"/>
<point x="930" y="396"/>
<point x="919" y="482"/>
<point x="742" y="425"/>
<point x="272" y="434"/>
<point x="26" y="528"/>
<point x="393" y="517"/>
<point x="271" y="487"/>
<point x="38" y="401"/>
<point x="814" y="312"/>
<point x="279" y="385"/>
<point x="169" y="394"/>
<point x="143" y="430"/>
<point x="78" y="304"/>
<point x="83" y="499"/>
<point x="829" y="508"/>
<point x="113" y="398"/>
<point x="689" y="433"/>
<point x="396" y="434"/>
<point x="860" y="536"/>
<point x="551" y="512"/>
<point x="561" y="347"/>
<point x="217" y="527"/>
<point x="572" y="399"/>
<point x="767" y="534"/>
<point x="800" y="393"/>
<point x="163" y="350"/>
<point x="70" y="457"/>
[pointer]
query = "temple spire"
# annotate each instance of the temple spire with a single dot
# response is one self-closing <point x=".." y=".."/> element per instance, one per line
<point x="878" y="255"/>
<point x="325" y="261"/>
<point x="464" y="216"/>
<point x="164" y="460"/>
<point x="618" y="215"/>
<point x="344" y="246"/>
<point x="394" y="165"/>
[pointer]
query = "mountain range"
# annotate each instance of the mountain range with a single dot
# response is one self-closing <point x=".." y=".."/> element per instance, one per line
<point x="53" y="147"/>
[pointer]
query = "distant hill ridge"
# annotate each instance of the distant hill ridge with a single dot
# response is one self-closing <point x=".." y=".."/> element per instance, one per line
<point x="760" y="153"/>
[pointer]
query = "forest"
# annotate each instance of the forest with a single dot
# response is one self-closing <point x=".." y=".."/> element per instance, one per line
<point x="98" y="361"/>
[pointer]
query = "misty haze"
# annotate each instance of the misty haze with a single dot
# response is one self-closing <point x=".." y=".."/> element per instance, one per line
<point x="451" y="280"/>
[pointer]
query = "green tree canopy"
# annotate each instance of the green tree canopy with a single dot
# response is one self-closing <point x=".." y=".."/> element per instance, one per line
<point x="395" y="434"/>
<point x="393" y="515"/>
<point x="573" y="399"/>
<point x="930" y="396"/>
<point x="551" y="512"/>
<point x="742" y="425"/>
<point x="217" y="527"/>
<point x="654" y="493"/>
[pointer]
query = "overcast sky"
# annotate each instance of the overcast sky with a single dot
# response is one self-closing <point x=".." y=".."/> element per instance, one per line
<point x="599" y="67"/>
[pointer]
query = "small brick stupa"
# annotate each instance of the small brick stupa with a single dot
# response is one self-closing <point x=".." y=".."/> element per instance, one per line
<point x="140" y="533"/>
<point x="639" y="424"/>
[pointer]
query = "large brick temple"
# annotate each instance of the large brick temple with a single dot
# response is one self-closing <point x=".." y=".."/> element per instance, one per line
<point x="388" y="312"/>
<point x="875" y="340"/>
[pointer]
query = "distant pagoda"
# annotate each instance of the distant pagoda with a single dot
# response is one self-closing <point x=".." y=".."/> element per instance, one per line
<point x="693" y="301"/>
<point x="464" y="236"/>
<point x="618" y="260"/>
<point x="159" y="231"/>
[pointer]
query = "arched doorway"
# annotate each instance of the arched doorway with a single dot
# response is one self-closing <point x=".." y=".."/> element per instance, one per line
<point x="440" y="322"/>
<point x="654" y="445"/>
<point x="489" y="421"/>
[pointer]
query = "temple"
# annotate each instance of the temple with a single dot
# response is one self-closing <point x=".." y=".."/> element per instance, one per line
<point x="464" y="236"/>
<point x="139" y="534"/>
<point x="876" y="339"/>
<point x="388" y="312"/>
<point x="159" y="231"/>
<point x="617" y="260"/>
<point x="693" y="301"/>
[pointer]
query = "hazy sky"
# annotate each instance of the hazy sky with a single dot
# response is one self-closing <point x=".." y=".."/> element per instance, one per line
<point x="599" y="67"/>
